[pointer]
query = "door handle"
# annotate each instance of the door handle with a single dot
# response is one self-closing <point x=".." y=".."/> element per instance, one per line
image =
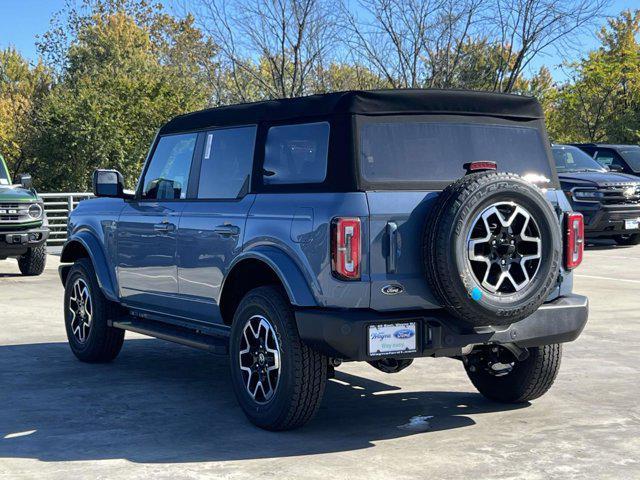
<point x="164" y="227"/>
<point x="227" y="230"/>
<point x="394" y="247"/>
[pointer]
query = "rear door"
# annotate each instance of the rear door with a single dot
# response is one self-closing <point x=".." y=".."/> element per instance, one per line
<point x="212" y="224"/>
<point x="148" y="226"/>
<point x="405" y="162"/>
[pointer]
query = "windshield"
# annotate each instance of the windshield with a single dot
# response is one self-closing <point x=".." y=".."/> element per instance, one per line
<point x="413" y="151"/>
<point x="632" y="156"/>
<point x="4" y="174"/>
<point x="572" y="159"/>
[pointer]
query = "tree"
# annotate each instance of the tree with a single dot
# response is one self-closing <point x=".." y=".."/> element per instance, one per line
<point x="22" y="88"/>
<point x="524" y="29"/>
<point x="120" y="76"/>
<point x="602" y="100"/>
<point x="438" y="43"/>
<point x="272" y="48"/>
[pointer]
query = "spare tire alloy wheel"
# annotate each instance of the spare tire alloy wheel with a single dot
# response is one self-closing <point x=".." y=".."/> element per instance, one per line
<point x="492" y="249"/>
<point x="81" y="309"/>
<point x="504" y="248"/>
<point x="259" y="358"/>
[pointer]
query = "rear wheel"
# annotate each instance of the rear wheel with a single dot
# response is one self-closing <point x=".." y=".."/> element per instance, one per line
<point x="87" y="312"/>
<point x="632" y="239"/>
<point x="497" y="374"/>
<point x="33" y="262"/>
<point x="277" y="379"/>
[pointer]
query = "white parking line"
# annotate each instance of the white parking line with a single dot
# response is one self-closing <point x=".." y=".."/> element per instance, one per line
<point x="608" y="278"/>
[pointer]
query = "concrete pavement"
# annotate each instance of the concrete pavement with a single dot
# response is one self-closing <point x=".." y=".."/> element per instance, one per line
<point x="165" y="411"/>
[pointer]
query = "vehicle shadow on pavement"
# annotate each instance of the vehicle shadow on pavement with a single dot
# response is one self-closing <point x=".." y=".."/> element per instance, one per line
<point x="164" y="403"/>
<point x="604" y="244"/>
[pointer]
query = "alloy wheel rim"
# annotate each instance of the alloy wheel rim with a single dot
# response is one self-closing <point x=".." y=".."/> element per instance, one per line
<point x="504" y="248"/>
<point x="81" y="309"/>
<point x="259" y="359"/>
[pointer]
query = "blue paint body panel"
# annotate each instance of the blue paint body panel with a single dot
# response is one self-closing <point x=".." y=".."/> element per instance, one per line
<point x="182" y="271"/>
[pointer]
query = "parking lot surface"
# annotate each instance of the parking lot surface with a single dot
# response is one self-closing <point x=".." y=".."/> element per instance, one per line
<point x="165" y="411"/>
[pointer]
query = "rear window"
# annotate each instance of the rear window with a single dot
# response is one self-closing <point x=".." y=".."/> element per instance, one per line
<point x="421" y="151"/>
<point x="296" y="154"/>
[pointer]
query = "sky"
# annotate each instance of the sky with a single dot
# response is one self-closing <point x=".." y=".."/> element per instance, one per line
<point x="22" y="20"/>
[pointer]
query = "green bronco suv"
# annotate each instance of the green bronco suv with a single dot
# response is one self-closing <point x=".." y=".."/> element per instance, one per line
<point x="23" y="224"/>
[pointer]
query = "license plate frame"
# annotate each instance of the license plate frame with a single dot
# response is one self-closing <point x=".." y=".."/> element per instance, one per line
<point x="387" y="339"/>
<point x="632" y="224"/>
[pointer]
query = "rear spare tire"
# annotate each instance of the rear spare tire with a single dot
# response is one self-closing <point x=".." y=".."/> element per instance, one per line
<point x="492" y="248"/>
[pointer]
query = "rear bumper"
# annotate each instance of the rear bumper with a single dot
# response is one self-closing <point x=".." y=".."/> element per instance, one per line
<point x="15" y="243"/>
<point x="344" y="334"/>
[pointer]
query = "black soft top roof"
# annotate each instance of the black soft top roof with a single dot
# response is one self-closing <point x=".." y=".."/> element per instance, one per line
<point x="372" y="102"/>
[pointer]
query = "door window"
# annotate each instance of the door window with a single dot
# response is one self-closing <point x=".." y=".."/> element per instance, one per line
<point x="167" y="177"/>
<point x="607" y="158"/>
<point x="296" y="154"/>
<point x="227" y="162"/>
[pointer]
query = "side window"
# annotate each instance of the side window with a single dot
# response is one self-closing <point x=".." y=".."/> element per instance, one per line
<point x="227" y="162"/>
<point x="296" y="154"/>
<point x="167" y="177"/>
<point x="605" y="158"/>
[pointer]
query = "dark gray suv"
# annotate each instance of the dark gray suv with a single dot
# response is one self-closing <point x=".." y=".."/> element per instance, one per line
<point x="297" y="234"/>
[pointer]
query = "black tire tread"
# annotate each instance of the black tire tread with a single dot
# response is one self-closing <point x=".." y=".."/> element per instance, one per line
<point x="436" y="260"/>
<point x="106" y="341"/>
<point x="633" y="239"/>
<point x="311" y="376"/>
<point x="531" y="379"/>
<point x="34" y="261"/>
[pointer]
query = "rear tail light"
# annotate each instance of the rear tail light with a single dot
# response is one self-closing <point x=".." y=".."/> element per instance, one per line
<point x="574" y="241"/>
<point x="345" y="248"/>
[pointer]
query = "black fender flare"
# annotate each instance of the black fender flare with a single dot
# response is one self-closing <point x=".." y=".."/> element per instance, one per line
<point x="301" y="290"/>
<point x="75" y="247"/>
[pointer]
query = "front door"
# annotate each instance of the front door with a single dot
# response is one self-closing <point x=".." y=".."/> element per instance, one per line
<point x="212" y="225"/>
<point x="148" y="227"/>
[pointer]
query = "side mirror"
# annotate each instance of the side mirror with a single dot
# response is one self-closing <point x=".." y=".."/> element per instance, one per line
<point x="24" y="179"/>
<point x="108" y="183"/>
<point x="616" y="168"/>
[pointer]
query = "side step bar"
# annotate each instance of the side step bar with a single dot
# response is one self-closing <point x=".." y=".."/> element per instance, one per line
<point x="218" y="345"/>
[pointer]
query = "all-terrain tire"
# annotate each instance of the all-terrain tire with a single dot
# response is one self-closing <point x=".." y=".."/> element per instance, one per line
<point x="33" y="262"/>
<point x="633" y="239"/>
<point x="529" y="379"/>
<point x="445" y="241"/>
<point x="103" y="342"/>
<point x="303" y="371"/>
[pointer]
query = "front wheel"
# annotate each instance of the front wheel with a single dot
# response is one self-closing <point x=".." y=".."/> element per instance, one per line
<point x="277" y="379"/>
<point x="500" y="377"/>
<point x="87" y="313"/>
<point x="33" y="262"/>
<point x="631" y="239"/>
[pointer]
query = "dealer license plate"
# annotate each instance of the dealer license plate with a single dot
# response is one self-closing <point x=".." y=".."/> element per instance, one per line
<point x="392" y="338"/>
<point x="632" y="224"/>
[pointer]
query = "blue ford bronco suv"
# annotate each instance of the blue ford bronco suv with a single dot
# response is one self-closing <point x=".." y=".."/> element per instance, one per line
<point x="376" y="226"/>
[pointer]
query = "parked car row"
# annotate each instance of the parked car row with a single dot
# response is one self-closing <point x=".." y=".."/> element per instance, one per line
<point x="378" y="226"/>
<point x="608" y="199"/>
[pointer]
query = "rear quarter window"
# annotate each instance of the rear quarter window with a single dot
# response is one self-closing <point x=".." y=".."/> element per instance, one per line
<point x="296" y="154"/>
